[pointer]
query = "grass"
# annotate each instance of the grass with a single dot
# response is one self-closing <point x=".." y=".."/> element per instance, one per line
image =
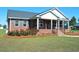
<point x="74" y="30"/>
<point x="39" y="44"/>
<point x="2" y="32"/>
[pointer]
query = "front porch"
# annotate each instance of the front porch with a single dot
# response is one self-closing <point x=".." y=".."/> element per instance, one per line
<point x="49" y="26"/>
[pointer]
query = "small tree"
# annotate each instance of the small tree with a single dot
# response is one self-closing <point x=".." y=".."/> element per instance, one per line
<point x="73" y="21"/>
<point x="4" y="26"/>
<point x="78" y="20"/>
<point x="0" y="25"/>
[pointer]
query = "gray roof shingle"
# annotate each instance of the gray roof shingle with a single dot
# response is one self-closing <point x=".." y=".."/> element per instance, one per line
<point x="20" y="14"/>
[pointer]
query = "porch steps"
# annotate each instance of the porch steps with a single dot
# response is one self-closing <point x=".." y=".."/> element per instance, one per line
<point x="50" y="32"/>
<point x="60" y="33"/>
<point x="45" y="32"/>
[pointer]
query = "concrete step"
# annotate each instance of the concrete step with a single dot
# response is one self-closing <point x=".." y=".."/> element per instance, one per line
<point x="50" y="32"/>
<point x="44" y="32"/>
<point x="60" y="33"/>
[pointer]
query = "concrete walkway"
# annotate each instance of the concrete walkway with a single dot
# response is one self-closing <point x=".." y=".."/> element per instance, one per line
<point x="70" y="36"/>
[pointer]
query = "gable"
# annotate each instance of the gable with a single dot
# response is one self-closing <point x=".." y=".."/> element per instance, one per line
<point x="48" y="15"/>
<point x="59" y="14"/>
<point x="52" y="14"/>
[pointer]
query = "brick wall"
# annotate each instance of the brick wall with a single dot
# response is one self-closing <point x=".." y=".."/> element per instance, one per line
<point x="12" y="26"/>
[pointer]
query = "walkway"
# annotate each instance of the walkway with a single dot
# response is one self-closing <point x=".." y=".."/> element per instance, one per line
<point x="71" y="36"/>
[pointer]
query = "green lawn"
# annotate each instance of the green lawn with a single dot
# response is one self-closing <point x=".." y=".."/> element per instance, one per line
<point x="2" y="32"/>
<point x="45" y="44"/>
<point x="74" y="30"/>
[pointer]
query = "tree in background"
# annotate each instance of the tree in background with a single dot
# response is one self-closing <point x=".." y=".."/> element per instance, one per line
<point x="73" y="21"/>
<point x="78" y="20"/>
<point x="0" y="25"/>
<point x="4" y="26"/>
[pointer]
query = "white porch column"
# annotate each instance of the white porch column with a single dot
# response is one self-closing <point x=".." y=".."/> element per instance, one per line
<point x="37" y="23"/>
<point x="68" y="24"/>
<point x="10" y="25"/>
<point x="51" y="24"/>
<point x="45" y="26"/>
<point x="58" y="24"/>
<point x="63" y="24"/>
<point x="58" y="27"/>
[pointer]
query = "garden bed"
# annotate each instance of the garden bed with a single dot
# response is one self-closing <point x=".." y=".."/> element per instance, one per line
<point x="28" y="36"/>
<point x="72" y="33"/>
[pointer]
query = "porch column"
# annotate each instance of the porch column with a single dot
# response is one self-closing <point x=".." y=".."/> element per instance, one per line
<point x="68" y="24"/>
<point x="37" y="23"/>
<point x="45" y="25"/>
<point x="10" y="25"/>
<point x="58" y="24"/>
<point x="63" y="24"/>
<point x="58" y="29"/>
<point x="51" y="24"/>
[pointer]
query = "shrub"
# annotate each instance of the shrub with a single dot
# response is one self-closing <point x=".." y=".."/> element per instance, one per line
<point x="13" y="33"/>
<point x="32" y="32"/>
<point x="17" y="33"/>
<point x="29" y="32"/>
<point x="23" y="33"/>
<point x="73" y="28"/>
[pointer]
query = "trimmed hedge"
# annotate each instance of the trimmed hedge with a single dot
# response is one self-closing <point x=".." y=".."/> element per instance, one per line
<point x="23" y="33"/>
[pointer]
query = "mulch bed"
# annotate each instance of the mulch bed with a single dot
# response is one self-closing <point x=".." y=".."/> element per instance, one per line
<point x="72" y="33"/>
<point x="7" y="36"/>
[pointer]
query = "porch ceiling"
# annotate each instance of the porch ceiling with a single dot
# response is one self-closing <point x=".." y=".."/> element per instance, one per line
<point x="63" y="19"/>
<point x="47" y="19"/>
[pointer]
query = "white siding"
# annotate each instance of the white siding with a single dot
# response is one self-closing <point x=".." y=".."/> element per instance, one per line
<point x="48" y="15"/>
<point x="57" y="13"/>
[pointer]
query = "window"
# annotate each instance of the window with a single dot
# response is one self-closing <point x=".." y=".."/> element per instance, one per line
<point x="24" y="23"/>
<point x="41" y="24"/>
<point x="66" y="25"/>
<point x="16" y="23"/>
<point x="21" y="23"/>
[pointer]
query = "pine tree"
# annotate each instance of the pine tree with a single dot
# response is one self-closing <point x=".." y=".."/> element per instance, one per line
<point x="0" y="25"/>
<point x="78" y="20"/>
<point x="73" y="21"/>
<point x="4" y="26"/>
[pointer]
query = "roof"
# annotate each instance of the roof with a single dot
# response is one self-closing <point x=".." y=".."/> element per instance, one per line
<point x="31" y="15"/>
<point x="20" y="14"/>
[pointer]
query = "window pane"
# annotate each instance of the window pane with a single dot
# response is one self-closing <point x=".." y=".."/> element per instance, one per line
<point x="24" y="24"/>
<point x="16" y="23"/>
<point x="21" y="23"/>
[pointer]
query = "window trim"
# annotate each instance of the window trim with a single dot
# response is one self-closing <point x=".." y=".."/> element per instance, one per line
<point x="16" y="23"/>
<point x="24" y="23"/>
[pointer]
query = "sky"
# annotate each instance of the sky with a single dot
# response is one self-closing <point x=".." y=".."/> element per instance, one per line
<point x="69" y="12"/>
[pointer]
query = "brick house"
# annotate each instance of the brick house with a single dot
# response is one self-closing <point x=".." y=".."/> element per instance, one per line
<point x="50" y="21"/>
